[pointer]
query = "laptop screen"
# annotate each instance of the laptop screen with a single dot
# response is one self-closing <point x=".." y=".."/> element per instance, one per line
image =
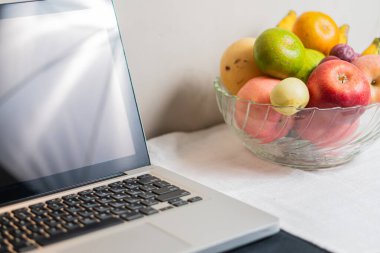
<point x="67" y="109"/>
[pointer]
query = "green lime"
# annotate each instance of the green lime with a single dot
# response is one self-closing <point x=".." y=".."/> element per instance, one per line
<point x="279" y="53"/>
<point x="311" y="60"/>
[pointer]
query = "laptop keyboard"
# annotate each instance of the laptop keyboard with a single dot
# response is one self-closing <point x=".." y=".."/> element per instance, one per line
<point x="58" y="219"/>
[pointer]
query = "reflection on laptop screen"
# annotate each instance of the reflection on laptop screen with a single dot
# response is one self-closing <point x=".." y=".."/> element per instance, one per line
<point x="62" y="88"/>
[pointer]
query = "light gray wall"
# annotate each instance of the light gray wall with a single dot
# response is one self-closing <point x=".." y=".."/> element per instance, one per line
<point x="174" y="47"/>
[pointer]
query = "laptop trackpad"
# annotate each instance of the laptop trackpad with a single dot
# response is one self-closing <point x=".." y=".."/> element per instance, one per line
<point x="143" y="238"/>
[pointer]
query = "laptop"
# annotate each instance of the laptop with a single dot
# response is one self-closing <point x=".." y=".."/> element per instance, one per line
<point x="75" y="174"/>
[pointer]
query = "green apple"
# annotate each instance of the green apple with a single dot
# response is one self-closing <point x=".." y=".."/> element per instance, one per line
<point x="289" y="96"/>
<point x="278" y="53"/>
<point x="311" y="60"/>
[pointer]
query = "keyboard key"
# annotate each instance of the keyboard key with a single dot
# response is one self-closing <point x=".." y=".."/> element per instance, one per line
<point x="116" y="184"/>
<point x="102" y="209"/>
<point x="71" y="225"/>
<point x="34" y="228"/>
<point x="90" y="204"/>
<point x="101" y="188"/>
<point x="73" y="209"/>
<point x="57" y="213"/>
<point x="72" y="202"/>
<point x="17" y="233"/>
<point x="55" y="206"/>
<point x="69" y="218"/>
<point x="22" y="214"/>
<point x="166" y="189"/>
<point x="180" y="203"/>
<point x="87" y="198"/>
<point x="132" y="200"/>
<point x="147" y="188"/>
<point x="3" y="248"/>
<point x="165" y="208"/>
<point x="117" y="189"/>
<point x="54" y="231"/>
<point x="103" y="216"/>
<point x="21" y="245"/>
<point x="54" y="201"/>
<point x="161" y="183"/>
<point x="120" y="210"/>
<point x="146" y="195"/>
<point x="133" y="192"/>
<point x="133" y="215"/>
<point x="86" y="192"/>
<point x="149" y="202"/>
<point x="103" y="193"/>
<point x="132" y="185"/>
<point x="51" y="223"/>
<point x="105" y="200"/>
<point x="117" y="204"/>
<point x="135" y="206"/>
<point x="39" y="211"/>
<point x="40" y="218"/>
<point x="194" y="199"/>
<point x="86" y="214"/>
<point x="79" y="231"/>
<point x="148" y="210"/>
<point x="172" y="195"/>
<point x="120" y="195"/>
<point x="88" y="221"/>
<point x="37" y="206"/>
<point x="148" y="180"/>
<point x="70" y="196"/>
<point x="37" y="236"/>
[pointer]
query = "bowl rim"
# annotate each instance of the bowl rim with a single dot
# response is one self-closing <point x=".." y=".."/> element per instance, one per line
<point x="219" y="87"/>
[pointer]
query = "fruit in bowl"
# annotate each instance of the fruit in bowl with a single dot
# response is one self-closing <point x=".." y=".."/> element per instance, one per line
<point x="279" y="53"/>
<point x="259" y="119"/>
<point x="311" y="61"/>
<point x="238" y="65"/>
<point x="317" y="31"/>
<point x="301" y="108"/>
<point x="289" y="95"/>
<point x="344" y="52"/>
<point x="370" y="66"/>
<point x="328" y="128"/>
<point x="338" y="83"/>
<point x="310" y="139"/>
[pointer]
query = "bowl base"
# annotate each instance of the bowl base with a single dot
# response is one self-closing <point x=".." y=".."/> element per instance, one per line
<point x="302" y="162"/>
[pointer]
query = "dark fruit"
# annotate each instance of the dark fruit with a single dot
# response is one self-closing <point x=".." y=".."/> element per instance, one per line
<point x="328" y="58"/>
<point x="344" y="52"/>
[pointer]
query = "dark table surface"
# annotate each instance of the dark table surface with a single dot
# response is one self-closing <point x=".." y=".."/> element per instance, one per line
<point x="282" y="242"/>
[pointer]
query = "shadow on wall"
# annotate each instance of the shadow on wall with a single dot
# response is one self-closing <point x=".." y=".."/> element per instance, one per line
<point x="193" y="98"/>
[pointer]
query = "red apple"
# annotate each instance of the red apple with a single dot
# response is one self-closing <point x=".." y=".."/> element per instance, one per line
<point x="327" y="128"/>
<point x="259" y="119"/>
<point x="338" y="83"/>
<point x="370" y="65"/>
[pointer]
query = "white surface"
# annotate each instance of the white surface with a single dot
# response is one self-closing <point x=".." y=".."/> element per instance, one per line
<point x="337" y="209"/>
<point x="174" y="48"/>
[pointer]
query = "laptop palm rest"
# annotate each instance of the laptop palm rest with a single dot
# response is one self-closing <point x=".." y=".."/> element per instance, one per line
<point x="127" y="239"/>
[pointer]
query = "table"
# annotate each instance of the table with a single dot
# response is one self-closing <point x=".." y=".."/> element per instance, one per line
<point x="336" y="209"/>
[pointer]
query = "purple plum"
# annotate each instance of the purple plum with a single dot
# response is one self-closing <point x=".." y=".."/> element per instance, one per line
<point x="344" y="52"/>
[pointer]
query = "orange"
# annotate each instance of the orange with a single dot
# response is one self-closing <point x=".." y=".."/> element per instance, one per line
<point x="317" y="31"/>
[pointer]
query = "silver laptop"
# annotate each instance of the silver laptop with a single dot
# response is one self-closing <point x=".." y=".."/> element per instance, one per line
<point x="75" y="174"/>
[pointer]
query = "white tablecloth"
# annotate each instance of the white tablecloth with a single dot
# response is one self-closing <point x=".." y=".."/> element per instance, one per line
<point x="337" y="209"/>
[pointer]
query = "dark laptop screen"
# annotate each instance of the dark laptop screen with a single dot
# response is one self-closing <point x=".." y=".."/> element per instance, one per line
<point x="67" y="109"/>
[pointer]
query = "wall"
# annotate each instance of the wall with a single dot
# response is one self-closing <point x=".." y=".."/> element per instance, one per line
<point x="174" y="46"/>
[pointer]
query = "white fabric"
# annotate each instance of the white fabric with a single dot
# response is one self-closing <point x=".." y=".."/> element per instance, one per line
<point x="337" y="209"/>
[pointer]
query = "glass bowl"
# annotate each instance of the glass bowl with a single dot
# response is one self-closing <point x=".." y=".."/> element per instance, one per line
<point x="310" y="139"/>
